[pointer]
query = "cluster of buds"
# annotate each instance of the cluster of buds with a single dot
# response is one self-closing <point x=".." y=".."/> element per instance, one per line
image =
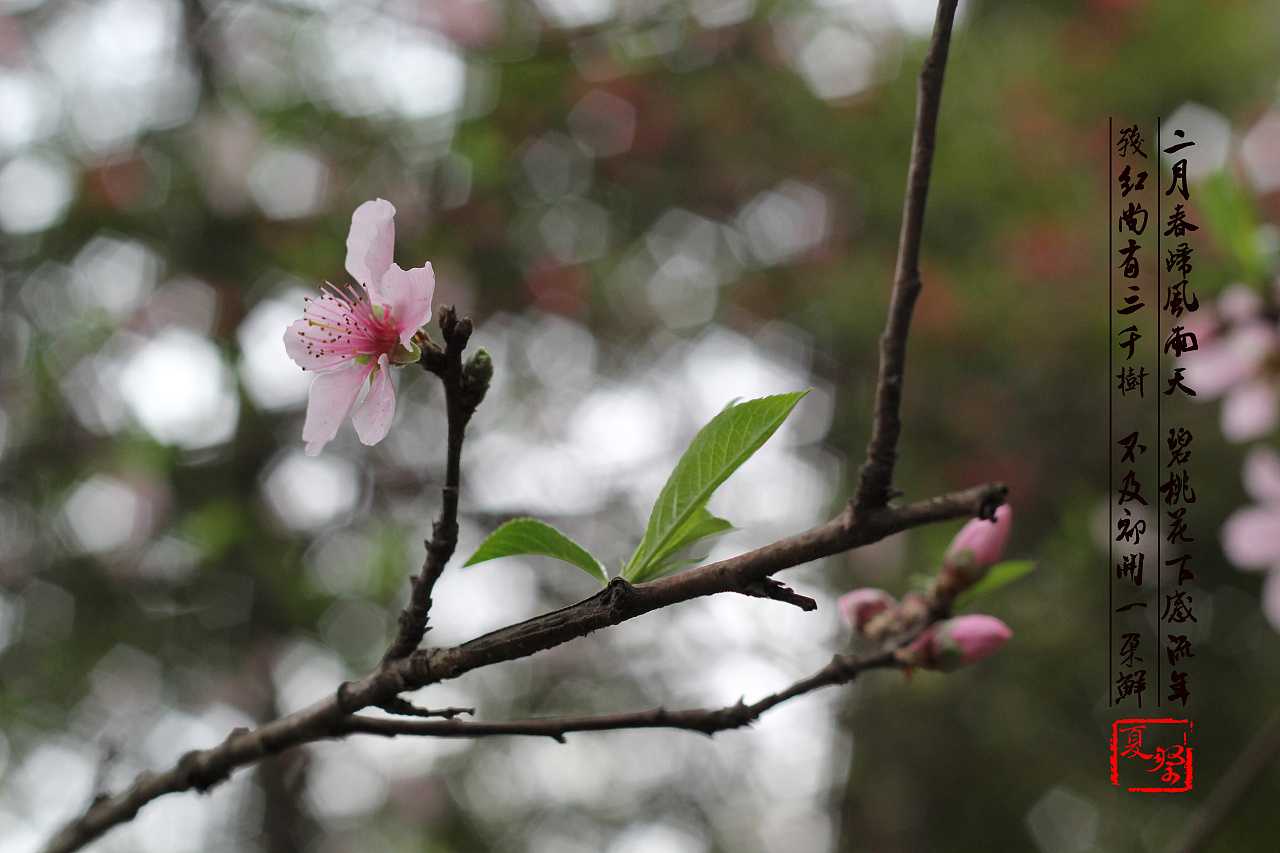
<point x="949" y="644"/>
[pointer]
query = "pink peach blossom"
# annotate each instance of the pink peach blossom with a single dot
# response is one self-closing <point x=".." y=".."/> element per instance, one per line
<point x="1251" y="535"/>
<point x="351" y="335"/>
<point x="980" y="543"/>
<point x="965" y="640"/>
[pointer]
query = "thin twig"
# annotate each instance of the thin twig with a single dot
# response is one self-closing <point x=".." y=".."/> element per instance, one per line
<point x="841" y="670"/>
<point x="875" y="481"/>
<point x="1236" y="783"/>
<point x="464" y="389"/>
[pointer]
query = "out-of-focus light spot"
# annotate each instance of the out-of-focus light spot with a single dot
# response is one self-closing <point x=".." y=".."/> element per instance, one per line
<point x="223" y="152"/>
<point x="619" y="428"/>
<point x="575" y="230"/>
<point x="340" y="563"/>
<point x="114" y="275"/>
<point x="603" y="123"/>
<point x="17" y="530"/>
<point x="1260" y="153"/>
<point x="1208" y="129"/>
<point x="722" y="365"/>
<point x="376" y="65"/>
<point x="127" y="680"/>
<point x="270" y="377"/>
<point x="784" y="222"/>
<point x="308" y="492"/>
<point x="186" y="303"/>
<point x="836" y="61"/>
<point x="30" y="107"/>
<point x="555" y="167"/>
<point x="355" y="628"/>
<point x="304" y="673"/>
<point x="53" y="782"/>
<point x="104" y="514"/>
<point x="1063" y="822"/>
<point x="180" y="390"/>
<point x="916" y="16"/>
<point x="722" y="13"/>
<point x="683" y="291"/>
<point x="288" y="183"/>
<point x="576" y="13"/>
<point x="120" y="63"/>
<point x="34" y="193"/>
<point x="341" y="787"/>
<point x="560" y="351"/>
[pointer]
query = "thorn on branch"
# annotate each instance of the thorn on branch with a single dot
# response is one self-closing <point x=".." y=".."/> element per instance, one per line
<point x="406" y="708"/>
<point x="778" y="591"/>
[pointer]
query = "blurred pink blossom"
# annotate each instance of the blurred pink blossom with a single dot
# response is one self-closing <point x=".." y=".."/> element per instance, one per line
<point x="1251" y="535"/>
<point x="1232" y="362"/>
<point x="355" y="332"/>
<point x="861" y="605"/>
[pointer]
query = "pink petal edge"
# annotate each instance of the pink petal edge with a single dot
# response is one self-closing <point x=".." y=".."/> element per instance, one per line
<point x="371" y="241"/>
<point x="330" y="400"/>
<point x="373" y="417"/>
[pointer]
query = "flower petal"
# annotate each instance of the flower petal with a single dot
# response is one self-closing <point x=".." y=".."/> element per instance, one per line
<point x="1251" y="537"/>
<point x="1262" y="475"/>
<point x="298" y="343"/>
<point x="1271" y="599"/>
<point x="1250" y="411"/>
<point x="373" y="418"/>
<point x="332" y="395"/>
<point x="408" y="294"/>
<point x="371" y="241"/>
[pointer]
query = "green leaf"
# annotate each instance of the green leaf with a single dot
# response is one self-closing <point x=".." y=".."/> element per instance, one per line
<point x="530" y="536"/>
<point x="999" y="575"/>
<point x="1233" y="222"/>
<point x="701" y="525"/>
<point x="719" y="448"/>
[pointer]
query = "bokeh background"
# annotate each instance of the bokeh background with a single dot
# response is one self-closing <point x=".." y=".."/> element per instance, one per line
<point x="650" y="208"/>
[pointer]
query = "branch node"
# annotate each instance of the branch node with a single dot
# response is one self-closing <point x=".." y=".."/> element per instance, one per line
<point x="343" y="701"/>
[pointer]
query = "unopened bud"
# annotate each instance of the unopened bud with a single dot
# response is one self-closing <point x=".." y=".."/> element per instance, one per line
<point x="862" y="605"/>
<point x="961" y="641"/>
<point x="979" y="545"/>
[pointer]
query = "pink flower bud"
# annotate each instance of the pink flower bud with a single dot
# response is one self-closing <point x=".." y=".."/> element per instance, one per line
<point x="964" y="640"/>
<point x="979" y="544"/>
<point x="861" y="605"/>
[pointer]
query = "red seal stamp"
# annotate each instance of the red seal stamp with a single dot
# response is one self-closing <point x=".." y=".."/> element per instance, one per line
<point x="1152" y="756"/>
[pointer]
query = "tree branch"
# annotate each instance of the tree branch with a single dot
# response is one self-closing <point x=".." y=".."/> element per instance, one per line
<point x="1235" y="785"/>
<point x="618" y="602"/>
<point x="464" y="389"/>
<point x="841" y="670"/>
<point x="867" y="519"/>
<point x="875" y="481"/>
